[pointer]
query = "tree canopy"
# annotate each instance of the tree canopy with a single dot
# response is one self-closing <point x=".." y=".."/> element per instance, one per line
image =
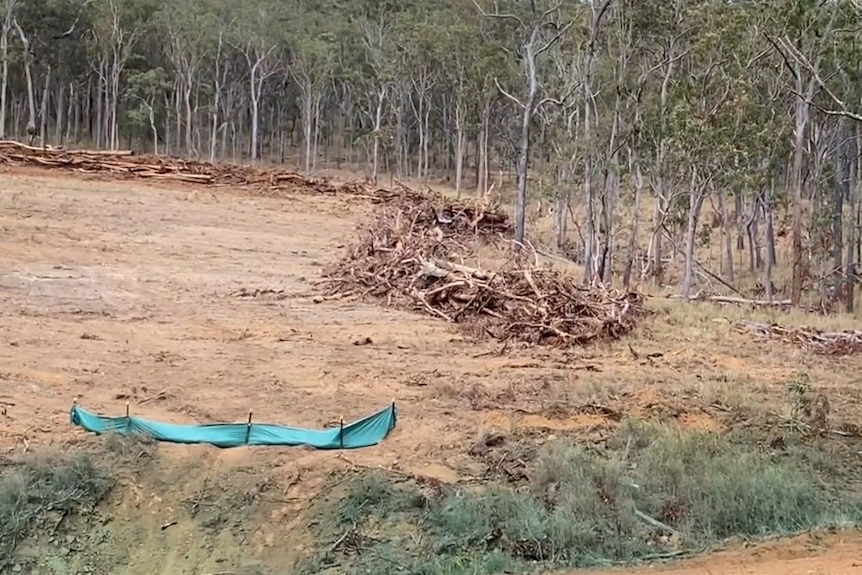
<point x="606" y="106"/>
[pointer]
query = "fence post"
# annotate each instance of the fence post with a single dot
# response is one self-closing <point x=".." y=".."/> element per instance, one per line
<point x="341" y="433"/>
<point x="128" y="420"/>
<point x="248" y="428"/>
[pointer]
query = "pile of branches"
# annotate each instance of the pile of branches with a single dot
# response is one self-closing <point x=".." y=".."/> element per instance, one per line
<point x="838" y="343"/>
<point x="414" y="257"/>
<point x="121" y="164"/>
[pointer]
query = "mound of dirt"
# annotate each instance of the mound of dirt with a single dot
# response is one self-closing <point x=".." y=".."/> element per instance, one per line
<point x="414" y="254"/>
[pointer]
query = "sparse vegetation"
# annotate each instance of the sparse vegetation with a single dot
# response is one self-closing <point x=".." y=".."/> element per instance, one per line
<point x="38" y="489"/>
<point x="650" y="492"/>
<point x="130" y="447"/>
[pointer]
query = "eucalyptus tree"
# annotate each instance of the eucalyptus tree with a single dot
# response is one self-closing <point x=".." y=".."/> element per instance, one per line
<point x="538" y="29"/>
<point x="256" y="35"/>
<point x="605" y="105"/>
<point x="313" y="55"/>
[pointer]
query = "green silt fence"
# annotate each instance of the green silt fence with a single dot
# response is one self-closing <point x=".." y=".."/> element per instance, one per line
<point x="364" y="432"/>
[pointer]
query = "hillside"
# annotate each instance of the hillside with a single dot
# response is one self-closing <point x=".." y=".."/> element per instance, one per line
<point x="199" y="302"/>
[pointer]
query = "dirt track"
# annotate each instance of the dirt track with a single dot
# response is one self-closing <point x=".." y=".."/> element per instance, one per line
<point x="820" y="554"/>
<point x="116" y="292"/>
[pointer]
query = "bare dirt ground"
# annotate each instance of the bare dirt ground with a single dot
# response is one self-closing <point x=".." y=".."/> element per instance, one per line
<point x="834" y="554"/>
<point x="199" y="306"/>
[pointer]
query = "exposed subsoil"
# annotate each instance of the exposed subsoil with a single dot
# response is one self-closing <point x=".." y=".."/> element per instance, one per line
<point x="197" y="306"/>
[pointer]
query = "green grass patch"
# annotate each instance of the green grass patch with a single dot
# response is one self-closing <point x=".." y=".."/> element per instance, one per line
<point x="39" y="488"/>
<point x="650" y="492"/>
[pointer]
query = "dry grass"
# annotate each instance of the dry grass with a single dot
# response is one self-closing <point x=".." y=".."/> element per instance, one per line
<point x="685" y="367"/>
<point x="37" y="489"/>
<point x="650" y="492"/>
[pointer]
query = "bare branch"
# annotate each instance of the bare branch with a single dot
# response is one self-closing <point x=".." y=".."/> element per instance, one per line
<point x="71" y="29"/>
<point x="756" y="57"/>
<point x="838" y="113"/>
<point x="780" y="53"/>
<point x="550" y="11"/>
<point x="507" y="94"/>
<point x="554" y="40"/>
<point x="496" y="14"/>
<point x="844" y="110"/>
<point x="562" y="100"/>
<point x="602" y="10"/>
<point x="666" y="62"/>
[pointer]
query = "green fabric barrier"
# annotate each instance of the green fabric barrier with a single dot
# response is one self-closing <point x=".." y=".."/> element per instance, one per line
<point x="365" y="432"/>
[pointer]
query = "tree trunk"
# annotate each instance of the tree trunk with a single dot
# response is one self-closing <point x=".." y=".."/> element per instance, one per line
<point x="460" y="144"/>
<point x="695" y="204"/>
<point x="663" y="203"/>
<point x="31" y="97"/>
<point x="187" y="101"/>
<point x="43" y="109"/>
<point x="4" y="71"/>
<point x="727" y="232"/>
<point x="797" y="182"/>
<point x="378" y="125"/>
<point x="851" y="263"/>
<point x="315" y="144"/>
<point x="482" y="171"/>
<point x="307" y="122"/>
<point x="635" y="167"/>
<point x="524" y="147"/>
<point x="61" y="119"/>
<point x="611" y="193"/>
<point x="770" y="240"/>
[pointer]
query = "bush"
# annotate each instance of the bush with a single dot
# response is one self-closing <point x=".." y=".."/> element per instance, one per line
<point x="586" y="507"/>
<point x="374" y="493"/>
<point x="33" y="488"/>
<point x="710" y="489"/>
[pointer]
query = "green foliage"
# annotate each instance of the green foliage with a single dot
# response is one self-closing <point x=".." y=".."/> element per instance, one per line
<point x="375" y="493"/>
<point x="683" y="87"/>
<point x="585" y="507"/>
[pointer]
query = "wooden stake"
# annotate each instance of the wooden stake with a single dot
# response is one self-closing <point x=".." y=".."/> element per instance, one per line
<point x="127" y="409"/>
<point x="248" y="428"/>
<point x="341" y="433"/>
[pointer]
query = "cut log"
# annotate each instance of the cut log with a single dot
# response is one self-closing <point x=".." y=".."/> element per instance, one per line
<point x="734" y="300"/>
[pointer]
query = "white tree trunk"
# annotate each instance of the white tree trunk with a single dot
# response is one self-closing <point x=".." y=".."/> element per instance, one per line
<point x="4" y="72"/>
<point x="460" y="144"/>
<point x="378" y="124"/>
<point x="696" y="199"/>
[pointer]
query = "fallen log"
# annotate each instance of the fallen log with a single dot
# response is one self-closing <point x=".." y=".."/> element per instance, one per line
<point x="51" y="149"/>
<point x="125" y="163"/>
<point x="837" y="343"/>
<point x="734" y="300"/>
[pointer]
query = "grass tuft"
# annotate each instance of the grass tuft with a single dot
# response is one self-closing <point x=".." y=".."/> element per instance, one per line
<point x="32" y="489"/>
<point x="652" y="491"/>
<point x="375" y="494"/>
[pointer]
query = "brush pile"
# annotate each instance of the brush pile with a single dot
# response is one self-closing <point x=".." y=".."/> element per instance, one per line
<point x="838" y="343"/>
<point x="124" y="164"/>
<point x="414" y="257"/>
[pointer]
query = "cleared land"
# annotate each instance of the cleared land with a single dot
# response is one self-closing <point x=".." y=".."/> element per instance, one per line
<point x="198" y="306"/>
